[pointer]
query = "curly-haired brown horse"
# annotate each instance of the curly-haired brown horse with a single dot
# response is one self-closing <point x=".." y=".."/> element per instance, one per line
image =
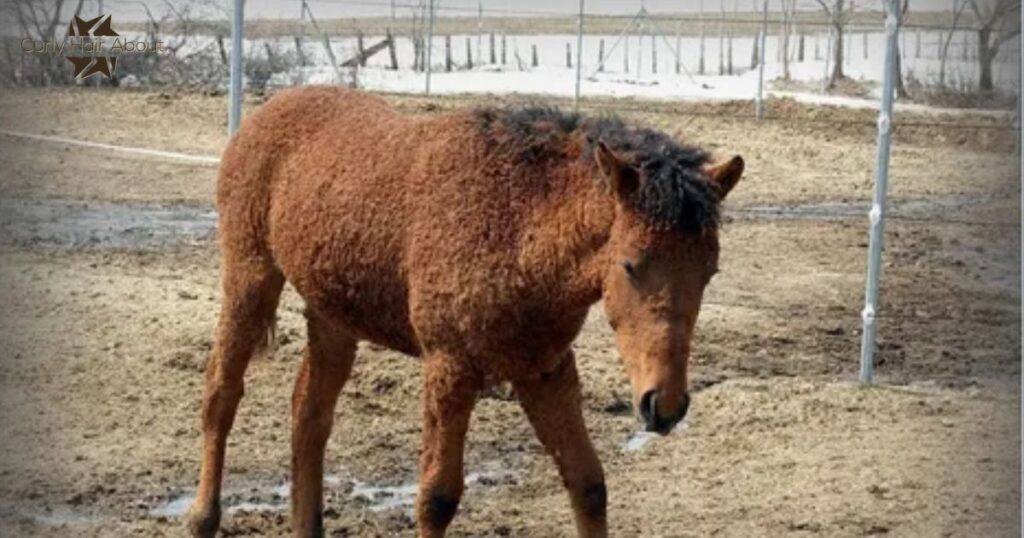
<point x="477" y="241"/>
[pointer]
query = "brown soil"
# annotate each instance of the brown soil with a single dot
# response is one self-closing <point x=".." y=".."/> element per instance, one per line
<point x="103" y="350"/>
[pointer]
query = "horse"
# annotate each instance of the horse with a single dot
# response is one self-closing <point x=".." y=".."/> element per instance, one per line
<point x="475" y="240"/>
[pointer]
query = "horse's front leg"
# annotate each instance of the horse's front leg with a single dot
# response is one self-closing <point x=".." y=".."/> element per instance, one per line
<point x="325" y="368"/>
<point x="552" y="403"/>
<point x="449" y="394"/>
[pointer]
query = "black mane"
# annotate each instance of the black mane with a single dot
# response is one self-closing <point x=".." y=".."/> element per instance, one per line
<point x="674" y="191"/>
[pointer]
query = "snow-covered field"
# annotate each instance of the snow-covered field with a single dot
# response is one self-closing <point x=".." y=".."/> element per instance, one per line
<point x="621" y="76"/>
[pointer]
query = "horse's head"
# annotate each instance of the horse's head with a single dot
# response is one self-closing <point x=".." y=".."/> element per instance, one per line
<point x="663" y="252"/>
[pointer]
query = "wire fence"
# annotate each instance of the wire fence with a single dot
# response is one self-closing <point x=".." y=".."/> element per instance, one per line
<point x="707" y="53"/>
<point x="691" y="56"/>
<point x="639" y="54"/>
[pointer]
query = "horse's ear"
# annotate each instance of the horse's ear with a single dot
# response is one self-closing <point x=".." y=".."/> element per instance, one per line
<point x="724" y="176"/>
<point x="621" y="177"/>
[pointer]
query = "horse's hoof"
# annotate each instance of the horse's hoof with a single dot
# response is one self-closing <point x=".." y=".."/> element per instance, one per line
<point x="203" y="521"/>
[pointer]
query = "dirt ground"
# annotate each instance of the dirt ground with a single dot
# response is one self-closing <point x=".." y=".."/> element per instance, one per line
<point x="103" y="347"/>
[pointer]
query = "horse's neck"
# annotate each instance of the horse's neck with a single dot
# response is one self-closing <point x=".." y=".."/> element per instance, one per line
<point x="571" y="236"/>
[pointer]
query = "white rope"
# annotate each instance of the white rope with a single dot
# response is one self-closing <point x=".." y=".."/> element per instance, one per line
<point x="125" y="149"/>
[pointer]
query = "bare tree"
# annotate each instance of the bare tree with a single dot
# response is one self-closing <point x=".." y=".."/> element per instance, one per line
<point x="41" y="20"/>
<point x="901" y="88"/>
<point x="837" y="18"/>
<point x="958" y="10"/>
<point x="788" y="24"/>
<point x="999" y="22"/>
<point x="189" y="59"/>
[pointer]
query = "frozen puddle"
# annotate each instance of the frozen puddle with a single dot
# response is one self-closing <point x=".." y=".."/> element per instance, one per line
<point x="639" y="439"/>
<point x="174" y="508"/>
<point x="380" y="498"/>
<point x="65" y="223"/>
<point x="372" y="497"/>
<point x="60" y="516"/>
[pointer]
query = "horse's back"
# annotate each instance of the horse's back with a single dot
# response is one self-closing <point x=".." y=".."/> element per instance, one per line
<point x="314" y="181"/>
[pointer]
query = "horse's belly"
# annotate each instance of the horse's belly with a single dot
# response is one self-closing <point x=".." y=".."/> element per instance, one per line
<point x="365" y="309"/>
<point x="346" y="265"/>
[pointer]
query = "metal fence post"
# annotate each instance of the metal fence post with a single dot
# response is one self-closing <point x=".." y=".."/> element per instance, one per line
<point x="760" y="64"/>
<point x="1017" y="120"/>
<point x="579" y="58"/>
<point x="828" y="50"/>
<point x="877" y="213"/>
<point x="430" y="45"/>
<point x="235" y="95"/>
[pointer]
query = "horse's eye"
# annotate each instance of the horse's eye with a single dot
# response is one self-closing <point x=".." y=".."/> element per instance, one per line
<point x="630" y="269"/>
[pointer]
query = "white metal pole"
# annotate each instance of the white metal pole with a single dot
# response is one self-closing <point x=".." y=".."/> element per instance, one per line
<point x="430" y="45"/>
<point x="579" y="57"/>
<point x="877" y="213"/>
<point x="760" y="64"/>
<point x="235" y="96"/>
<point x="1017" y="120"/>
<point x="828" y="50"/>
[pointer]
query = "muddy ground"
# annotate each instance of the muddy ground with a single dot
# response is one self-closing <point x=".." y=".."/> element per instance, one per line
<point x="109" y="290"/>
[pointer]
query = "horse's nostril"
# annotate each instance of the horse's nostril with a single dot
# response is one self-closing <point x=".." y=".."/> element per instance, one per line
<point x="649" y="407"/>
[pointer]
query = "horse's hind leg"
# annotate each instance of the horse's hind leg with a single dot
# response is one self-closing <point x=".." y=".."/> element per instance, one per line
<point x="251" y="292"/>
<point x="552" y="404"/>
<point x="325" y="368"/>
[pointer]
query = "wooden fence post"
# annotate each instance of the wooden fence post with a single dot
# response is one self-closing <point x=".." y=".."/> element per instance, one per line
<point x="391" y="50"/>
<point x="448" y="53"/>
<point x="625" y="55"/>
<point x="223" y="51"/>
<point x="728" y="64"/>
<point x="534" y="60"/>
<point x="679" y="52"/>
<point x="654" y="56"/>
<point x="754" y="52"/>
<point x="298" y="50"/>
<point x="568" y="55"/>
<point x="600" y="56"/>
<point x="469" y="54"/>
<point x="360" y="50"/>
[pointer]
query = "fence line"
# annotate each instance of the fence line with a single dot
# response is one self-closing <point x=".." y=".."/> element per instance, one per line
<point x="696" y="19"/>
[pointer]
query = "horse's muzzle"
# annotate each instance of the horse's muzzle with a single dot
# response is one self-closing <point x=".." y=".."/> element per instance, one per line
<point x="654" y="421"/>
